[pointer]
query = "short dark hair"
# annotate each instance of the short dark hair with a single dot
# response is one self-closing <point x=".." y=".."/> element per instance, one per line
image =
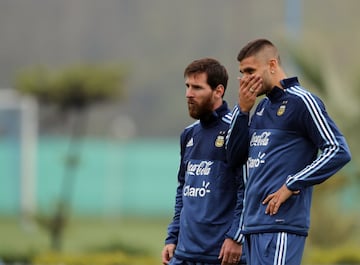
<point x="254" y="47"/>
<point x="216" y="73"/>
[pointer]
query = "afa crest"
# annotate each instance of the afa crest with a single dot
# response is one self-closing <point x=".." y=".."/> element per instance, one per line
<point x="220" y="139"/>
<point x="281" y="109"/>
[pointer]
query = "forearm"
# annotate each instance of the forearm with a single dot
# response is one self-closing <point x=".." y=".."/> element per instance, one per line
<point x="331" y="160"/>
<point x="236" y="228"/>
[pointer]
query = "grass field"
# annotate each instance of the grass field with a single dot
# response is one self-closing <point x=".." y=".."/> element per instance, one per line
<point x="137" y="235"/>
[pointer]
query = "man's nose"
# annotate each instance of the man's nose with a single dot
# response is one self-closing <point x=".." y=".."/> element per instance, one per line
<point x="189" y="92"/>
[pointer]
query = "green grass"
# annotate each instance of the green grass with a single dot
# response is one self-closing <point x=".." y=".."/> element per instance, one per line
<point x="133" y="235"/>
<point x="86" y="238"/>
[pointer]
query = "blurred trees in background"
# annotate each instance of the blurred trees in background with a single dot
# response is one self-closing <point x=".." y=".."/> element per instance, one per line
<point x="75" y="87"/>
<point x="73" y="91"/>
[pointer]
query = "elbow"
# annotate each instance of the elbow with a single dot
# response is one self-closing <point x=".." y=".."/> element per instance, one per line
<point x="346" y="155"/>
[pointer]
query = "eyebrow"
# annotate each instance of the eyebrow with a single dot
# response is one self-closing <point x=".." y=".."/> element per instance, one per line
<point x="247" y="69"/>
<point x="194" y="86"/>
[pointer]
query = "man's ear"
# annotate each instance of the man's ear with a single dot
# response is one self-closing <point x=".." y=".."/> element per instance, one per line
<point x="220" y="90"/>
<point x="273" y="64"/>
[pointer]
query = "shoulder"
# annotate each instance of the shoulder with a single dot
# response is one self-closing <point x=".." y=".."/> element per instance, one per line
<point x="189" y="129"/>
<point x="302" y="95"/>
<point x="262" y="103"/>
<point x="191" y="126"/>
<point x="227" y="117"/>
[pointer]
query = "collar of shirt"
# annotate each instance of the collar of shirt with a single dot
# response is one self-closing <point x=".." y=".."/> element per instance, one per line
<point x="276" y="93"/>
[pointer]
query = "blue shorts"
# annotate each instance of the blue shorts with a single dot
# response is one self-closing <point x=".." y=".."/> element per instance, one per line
<point x="274" y="248"/>
<point x="177" y="261"/>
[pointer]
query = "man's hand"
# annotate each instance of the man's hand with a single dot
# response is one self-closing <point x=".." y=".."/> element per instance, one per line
<point x="250" y="86"/>
<point x="230" y="252"/>
<point x="275" y="200"/>
<point x="167" y="253"/>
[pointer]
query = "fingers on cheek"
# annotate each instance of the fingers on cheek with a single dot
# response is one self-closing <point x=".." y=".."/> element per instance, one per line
<point x="258" y="85"/>
<point x="245" y="81"/>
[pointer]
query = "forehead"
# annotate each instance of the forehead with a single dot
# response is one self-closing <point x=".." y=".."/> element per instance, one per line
<point x="196" y="78"/>
<point x="249" y="63"/>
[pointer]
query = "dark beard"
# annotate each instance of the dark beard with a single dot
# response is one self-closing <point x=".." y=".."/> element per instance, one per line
<point x="202" y="111"/>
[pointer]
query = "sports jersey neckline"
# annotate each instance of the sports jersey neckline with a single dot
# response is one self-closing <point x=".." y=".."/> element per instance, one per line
<point x="277" y="92"/>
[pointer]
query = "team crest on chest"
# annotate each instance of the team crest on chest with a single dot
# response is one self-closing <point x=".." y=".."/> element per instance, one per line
<point x="220" y="139"/>
<point x="281" y="109"/>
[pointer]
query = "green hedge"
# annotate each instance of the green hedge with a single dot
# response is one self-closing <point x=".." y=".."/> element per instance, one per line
<point x="344" y="254"/>
<point x="115" y="258"/>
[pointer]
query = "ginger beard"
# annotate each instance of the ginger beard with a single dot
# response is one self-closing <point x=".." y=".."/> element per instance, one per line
<point x="200" y="110"/>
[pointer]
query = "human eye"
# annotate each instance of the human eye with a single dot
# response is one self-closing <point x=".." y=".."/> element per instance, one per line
<point x="248" y="71"/>
<point x="197" y="87"/>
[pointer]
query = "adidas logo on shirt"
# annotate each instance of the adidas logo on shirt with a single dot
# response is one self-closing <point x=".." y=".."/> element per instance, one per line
<point x="260" y="113"/>
<point x="190" y="142"/>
